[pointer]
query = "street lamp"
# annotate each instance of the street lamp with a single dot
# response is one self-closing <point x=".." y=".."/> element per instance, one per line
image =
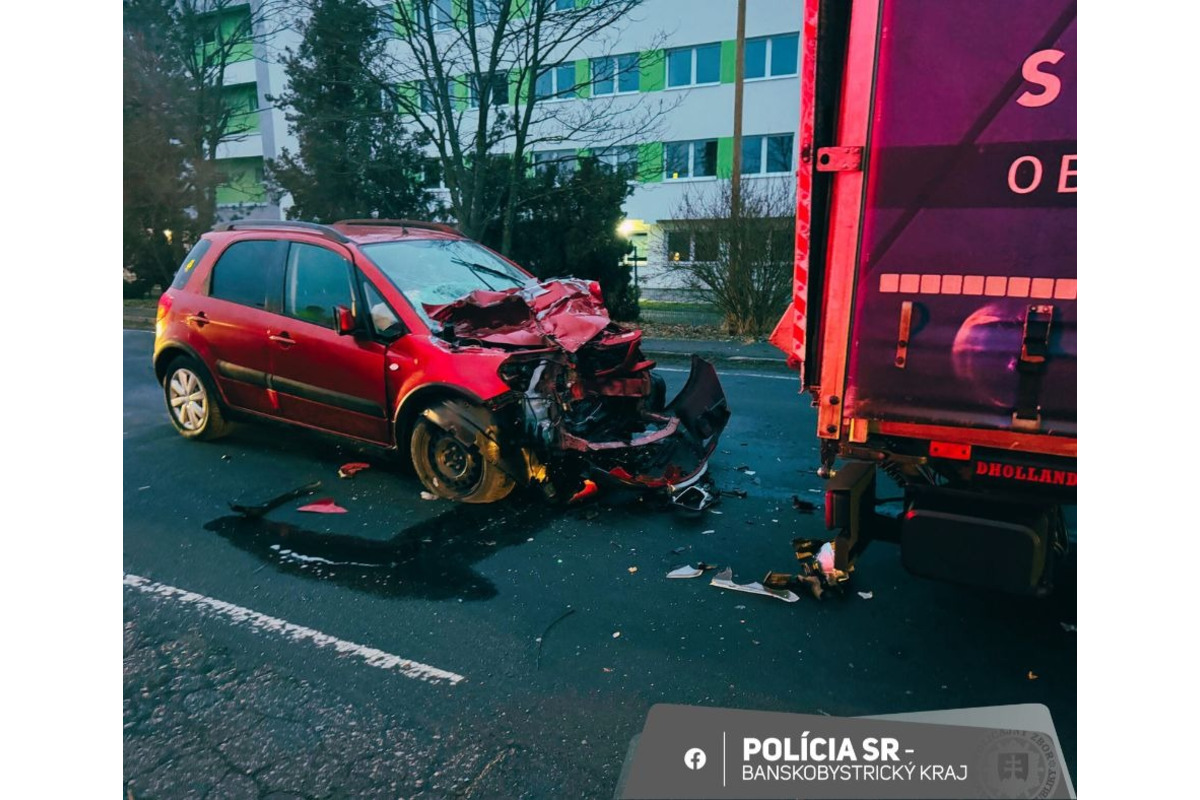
<point x="628" y="228"/>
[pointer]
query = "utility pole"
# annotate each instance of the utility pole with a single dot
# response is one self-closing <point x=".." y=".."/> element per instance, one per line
<point x="739" y="83"/>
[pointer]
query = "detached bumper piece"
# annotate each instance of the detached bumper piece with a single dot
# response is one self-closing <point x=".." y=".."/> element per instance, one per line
<point x="672" y="453"/>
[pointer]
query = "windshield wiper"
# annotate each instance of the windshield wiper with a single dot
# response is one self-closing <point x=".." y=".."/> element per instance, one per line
<point x="476" y="268"/>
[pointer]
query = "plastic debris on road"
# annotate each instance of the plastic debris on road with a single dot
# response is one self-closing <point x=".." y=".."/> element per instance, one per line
<point x="724" y="580"/>
<point x="866" y="595"/>
<point x="803" y="506"/>
<point x="428" y="496"/>
<point x="260" y="509"/>
<point x="323" y="506"/>
<point x="686" y="571"/>
<point x="352" y="469"/>
<point x="589" y="488"/>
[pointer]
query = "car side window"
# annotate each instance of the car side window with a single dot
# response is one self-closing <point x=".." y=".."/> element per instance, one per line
<point x="245" y="273"/>
<point x="189" y="262"/>
<point x="317" y="281"/>
<point x="384" y="320"/>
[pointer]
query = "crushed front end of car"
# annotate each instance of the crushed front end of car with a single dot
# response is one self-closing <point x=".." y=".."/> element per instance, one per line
<point x="585" y="403"/>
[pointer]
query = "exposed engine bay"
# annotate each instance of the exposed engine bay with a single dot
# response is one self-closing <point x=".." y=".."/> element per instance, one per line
<point x="585" y="403"/>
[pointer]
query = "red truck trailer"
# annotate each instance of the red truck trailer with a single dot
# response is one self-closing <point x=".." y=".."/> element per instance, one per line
<point x="934" y="312"/>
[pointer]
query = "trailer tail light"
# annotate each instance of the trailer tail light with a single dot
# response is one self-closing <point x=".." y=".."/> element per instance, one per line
<point x="952" y="450"/>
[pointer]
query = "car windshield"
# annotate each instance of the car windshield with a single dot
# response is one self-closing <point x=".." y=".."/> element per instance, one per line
<point x="438" y="271"/>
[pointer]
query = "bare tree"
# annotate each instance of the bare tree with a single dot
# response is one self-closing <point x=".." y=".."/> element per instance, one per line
<point x="479" y="77"/>
<point x="738" y="259"/>
<point x="199" y="40"/>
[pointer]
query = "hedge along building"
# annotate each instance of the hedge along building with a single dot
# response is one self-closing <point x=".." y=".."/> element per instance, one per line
<point x="666" y="72"/>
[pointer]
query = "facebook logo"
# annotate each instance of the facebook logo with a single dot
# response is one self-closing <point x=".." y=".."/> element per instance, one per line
<point x="694" y="758"/>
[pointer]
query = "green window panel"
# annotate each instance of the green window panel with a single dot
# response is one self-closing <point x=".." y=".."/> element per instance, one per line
<point x="242" y="101"/>
<point x="650" y="160"/>
<point x="728" y="61"/>
<point x="460" y="92"/>
<point x="236" y="24"/>
<point x="405" y="14"/>
<point x="243" y="181"/>
<point x="459" y="12"/>
<point x="725" y="157"/>
<point x="583" y="78"/>
<point x="654" y="70"/>
<point x="520" y="9"/>
<point x="517" y="89"/>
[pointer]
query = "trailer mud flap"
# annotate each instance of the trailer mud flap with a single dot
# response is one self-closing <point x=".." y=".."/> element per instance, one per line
<point x="995" y="546"/>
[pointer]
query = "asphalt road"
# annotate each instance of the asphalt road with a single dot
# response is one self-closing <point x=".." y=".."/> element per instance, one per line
<point x="248" y="699"/>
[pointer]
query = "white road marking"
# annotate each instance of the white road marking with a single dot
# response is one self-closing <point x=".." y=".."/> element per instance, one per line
<point x="244" y="616"/>
<point x="737" y="373"/>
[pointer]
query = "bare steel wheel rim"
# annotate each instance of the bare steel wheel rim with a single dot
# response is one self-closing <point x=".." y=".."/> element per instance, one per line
<point x="189" y="401"/>
<point x="453" y="464"/>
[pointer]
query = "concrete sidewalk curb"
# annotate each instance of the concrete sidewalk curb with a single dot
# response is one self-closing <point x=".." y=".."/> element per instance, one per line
<point x="750" y="361"/>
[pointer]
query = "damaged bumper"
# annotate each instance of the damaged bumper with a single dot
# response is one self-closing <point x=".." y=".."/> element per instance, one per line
<point x="672" y="452"/>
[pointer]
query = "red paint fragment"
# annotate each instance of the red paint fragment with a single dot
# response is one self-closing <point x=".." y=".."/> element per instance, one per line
<point x="352" y="469"/>
<point x="589" y="489"/>
<point x="323" y="506"/>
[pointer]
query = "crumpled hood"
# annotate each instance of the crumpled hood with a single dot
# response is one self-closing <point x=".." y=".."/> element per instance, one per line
<point x="566" y="313"/>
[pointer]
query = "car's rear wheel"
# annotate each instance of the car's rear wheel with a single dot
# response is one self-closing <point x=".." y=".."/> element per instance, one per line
<point x="192" y="401"/>
<point x="450" y="467"/>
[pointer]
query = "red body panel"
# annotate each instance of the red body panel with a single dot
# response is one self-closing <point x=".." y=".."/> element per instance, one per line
<point x="576" y="386"/>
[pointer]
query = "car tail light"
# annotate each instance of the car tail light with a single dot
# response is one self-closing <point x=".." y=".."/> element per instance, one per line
<point x="164" y="308"/>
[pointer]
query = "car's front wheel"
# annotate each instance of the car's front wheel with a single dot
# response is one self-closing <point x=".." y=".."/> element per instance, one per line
<point x="192" y="401"/>
<point x="453" y="468"/>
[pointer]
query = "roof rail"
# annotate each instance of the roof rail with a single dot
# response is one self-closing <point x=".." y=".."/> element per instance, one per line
<point x="401" y="223"/>
<point x="251" y="224"/>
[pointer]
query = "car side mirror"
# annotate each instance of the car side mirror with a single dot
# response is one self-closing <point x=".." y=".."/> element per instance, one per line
<point x="345" y="320"/>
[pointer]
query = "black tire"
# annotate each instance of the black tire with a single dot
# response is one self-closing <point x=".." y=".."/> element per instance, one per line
<point x="192" y="401"/>
<point x="450" y="468"/>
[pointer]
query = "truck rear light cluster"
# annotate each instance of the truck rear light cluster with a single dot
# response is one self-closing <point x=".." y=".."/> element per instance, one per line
<point x="951" y="450"/>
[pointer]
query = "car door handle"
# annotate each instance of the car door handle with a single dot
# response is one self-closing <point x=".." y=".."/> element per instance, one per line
<point x="282" y="337"/>
<point x="200" y="319"/>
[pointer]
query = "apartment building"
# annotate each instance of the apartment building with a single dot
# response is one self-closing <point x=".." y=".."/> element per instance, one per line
<point x="672" y="62"/>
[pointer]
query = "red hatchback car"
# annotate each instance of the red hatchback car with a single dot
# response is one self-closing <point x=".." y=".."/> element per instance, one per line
<point x="410" y="336"/>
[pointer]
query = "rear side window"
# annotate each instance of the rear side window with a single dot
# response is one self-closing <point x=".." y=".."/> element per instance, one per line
<point x="189" y="263"/>
<point x="245" y="273"/>
<point x="317" y="281"/>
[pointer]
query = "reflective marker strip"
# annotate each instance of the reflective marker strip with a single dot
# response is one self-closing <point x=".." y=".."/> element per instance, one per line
<point x="979" y="285"/>
<point x="244" y="616"/>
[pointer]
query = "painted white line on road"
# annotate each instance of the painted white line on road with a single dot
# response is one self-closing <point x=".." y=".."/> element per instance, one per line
<point x="298" y="633"/>
<point x="737" y="373"/>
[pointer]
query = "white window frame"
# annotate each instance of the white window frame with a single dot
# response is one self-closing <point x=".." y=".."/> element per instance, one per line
<point x="473" y="90"/>
<point x="695" y="58"/>
<point x="691" y="176"/>
<point x="611" y="157"/>
<point x="486" y="11"/>
<point x="442" y="14"/>
<point x="616" y="74"/>
<point x="762" y="154"/>
<point x="566" y="159"/>
<point x="767" y="74"/>
<point x="555" y="93"/>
